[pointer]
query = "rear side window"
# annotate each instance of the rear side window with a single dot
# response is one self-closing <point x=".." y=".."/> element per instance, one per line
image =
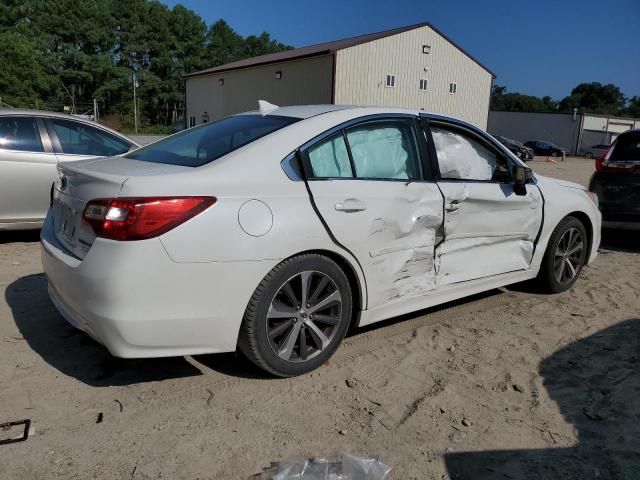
<point x="204" y="144"/>
<point x="384" y="150"/>
<point x="20" y="133"/>
<point x="330" y="159"/>
<point x="80" y="139"/>
<point x="627" y="148"/>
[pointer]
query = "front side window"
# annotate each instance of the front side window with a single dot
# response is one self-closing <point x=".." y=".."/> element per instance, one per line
<point x="330" y="159"/>
<point x="463" y="157"/>
<point x="384" y="150"/>
<point x="20" y="133"/>
<point x="204" y="144"/>
<point x="80" y="139"/>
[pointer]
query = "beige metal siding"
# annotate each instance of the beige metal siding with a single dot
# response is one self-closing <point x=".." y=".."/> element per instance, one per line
<point x="361" y="76"/>
<point x="304" y="82"/>
<point x="594" y="123"/>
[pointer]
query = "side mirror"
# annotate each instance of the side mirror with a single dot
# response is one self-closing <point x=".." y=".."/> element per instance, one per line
<point x="519" y="180"/>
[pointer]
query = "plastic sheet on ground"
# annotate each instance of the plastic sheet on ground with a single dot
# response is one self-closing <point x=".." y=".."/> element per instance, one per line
<point x="346" y="467"/>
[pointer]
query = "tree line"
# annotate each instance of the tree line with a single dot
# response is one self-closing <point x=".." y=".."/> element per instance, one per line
<point x="66" y="53"/>
<point x="591" y="97"/>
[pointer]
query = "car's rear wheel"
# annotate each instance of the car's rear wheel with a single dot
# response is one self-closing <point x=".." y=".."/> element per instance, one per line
<point x="555" y="153"/>
<point x="297" y="316"/>
<point x="565" y="256"/>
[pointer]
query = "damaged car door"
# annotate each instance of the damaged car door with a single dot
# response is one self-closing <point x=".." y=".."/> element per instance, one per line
<point x="489" y="229"/>
<point x="370" y="186"/>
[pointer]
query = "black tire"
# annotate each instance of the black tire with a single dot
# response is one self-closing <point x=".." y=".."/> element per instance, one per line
<point x="547" y="276"/>
<point x="555" y="153"/>
<point x="254" y="340"/>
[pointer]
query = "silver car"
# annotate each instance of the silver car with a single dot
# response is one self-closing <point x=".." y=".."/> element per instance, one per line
<point x="32" y="142"/>
<point x="595" y="151"/>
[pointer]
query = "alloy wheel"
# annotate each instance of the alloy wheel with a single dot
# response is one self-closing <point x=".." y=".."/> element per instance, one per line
<point x="568" y="256"/>
<point x="303" y="316"/>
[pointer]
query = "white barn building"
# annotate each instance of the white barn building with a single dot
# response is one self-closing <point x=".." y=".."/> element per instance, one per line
<point x="414" y="67"/>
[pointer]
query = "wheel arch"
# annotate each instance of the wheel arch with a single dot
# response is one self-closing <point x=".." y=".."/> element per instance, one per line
<point x="588" y="226"/>
<point x="357" y="288"/>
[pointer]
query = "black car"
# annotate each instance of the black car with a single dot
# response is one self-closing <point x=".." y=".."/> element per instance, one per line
<point x="617" y="182"/>
<point x="516" y="147"/>
<point x="541" y="147"/>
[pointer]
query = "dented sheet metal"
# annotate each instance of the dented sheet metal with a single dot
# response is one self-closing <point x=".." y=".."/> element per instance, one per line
<point x="392" y="234"/>
<point x="488" y="230"/>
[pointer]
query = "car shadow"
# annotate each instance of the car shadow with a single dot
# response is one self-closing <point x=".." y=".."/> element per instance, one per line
<point x="73" y="352"/>
<point x="620" y="240"/>
<point x="595" y="382"/>
<point x="23" y="236"/>
<point x="233" y="364"/>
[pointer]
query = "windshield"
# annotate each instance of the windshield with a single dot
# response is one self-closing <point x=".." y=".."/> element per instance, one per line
<point x="204" y="144"/>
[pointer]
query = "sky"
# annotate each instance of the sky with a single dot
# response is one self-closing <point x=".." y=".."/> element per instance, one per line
<point x="534" y="47"/>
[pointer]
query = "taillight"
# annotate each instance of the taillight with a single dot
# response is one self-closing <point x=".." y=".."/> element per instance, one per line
<point x="138" y="218"/>
<point x="604" y="165"/>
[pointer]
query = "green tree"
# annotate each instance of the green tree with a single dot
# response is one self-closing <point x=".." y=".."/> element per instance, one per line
<point x="501" y="100"/>
<point x="23" y="80"/>
<point x="594" y="98"/>
<point x="69" y="52"/>
<point x="633" y="109"/>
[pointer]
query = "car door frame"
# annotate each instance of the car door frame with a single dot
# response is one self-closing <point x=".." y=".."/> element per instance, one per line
<point x="483" y="137"/>
<point x="306" y="172"/>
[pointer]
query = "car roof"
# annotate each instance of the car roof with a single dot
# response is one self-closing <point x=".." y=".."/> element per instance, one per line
<point x="64" y="116"/>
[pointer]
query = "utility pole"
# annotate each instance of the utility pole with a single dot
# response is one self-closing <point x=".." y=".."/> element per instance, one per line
<point x="135" y="104"/>
<point x="95" y="110"/>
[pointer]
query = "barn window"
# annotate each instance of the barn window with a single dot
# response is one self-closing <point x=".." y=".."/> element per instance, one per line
<point x="453" y="88"/>
<point x="423" y="84"/>
<point x="426" y="49"/>
<point x="278" y="75"/>
<point x="192" y="121"/>
<point x="391" y="80"/>
<point x="221" y="81"/>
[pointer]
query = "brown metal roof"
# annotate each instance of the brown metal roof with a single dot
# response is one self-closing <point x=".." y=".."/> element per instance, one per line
<point x="322" y="49"/>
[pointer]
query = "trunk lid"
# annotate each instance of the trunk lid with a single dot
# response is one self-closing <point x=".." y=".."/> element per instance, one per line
<point x="79" y="182"/>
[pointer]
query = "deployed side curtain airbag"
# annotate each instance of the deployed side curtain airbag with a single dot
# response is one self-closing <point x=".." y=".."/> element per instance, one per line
<point x="460" y="158"/>
<point x="379" y="153"/>
<point x="330" y="159"/>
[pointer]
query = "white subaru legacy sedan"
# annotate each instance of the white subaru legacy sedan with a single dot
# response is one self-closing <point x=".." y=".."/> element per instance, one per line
<point x="275" y="231"/>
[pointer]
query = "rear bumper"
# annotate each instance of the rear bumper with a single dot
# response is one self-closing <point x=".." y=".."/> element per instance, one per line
<point x="132" y="298"/>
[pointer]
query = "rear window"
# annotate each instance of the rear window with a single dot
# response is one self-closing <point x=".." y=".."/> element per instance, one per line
<point x="206" y="143"/>
<point x="627" y="148"/>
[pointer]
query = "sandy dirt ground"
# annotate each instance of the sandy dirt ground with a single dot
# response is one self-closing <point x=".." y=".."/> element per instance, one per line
<point x="508" y="384"/>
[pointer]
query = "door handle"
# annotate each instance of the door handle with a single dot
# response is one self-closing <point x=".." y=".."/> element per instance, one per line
<point x="453" y="205"/>
<point x="351" y="205"/>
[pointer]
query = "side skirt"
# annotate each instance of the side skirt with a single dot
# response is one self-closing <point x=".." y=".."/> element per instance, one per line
<point x="444" y="294"/>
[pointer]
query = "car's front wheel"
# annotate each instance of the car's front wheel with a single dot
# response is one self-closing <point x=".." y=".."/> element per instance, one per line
<point x="565" y="256"/>
<point x="297" y="316"/>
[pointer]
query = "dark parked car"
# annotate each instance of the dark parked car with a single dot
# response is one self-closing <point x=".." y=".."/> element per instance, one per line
<point x="516" y="147"/>
<point x="541" y="147"/>
<point x="617" y="182"/>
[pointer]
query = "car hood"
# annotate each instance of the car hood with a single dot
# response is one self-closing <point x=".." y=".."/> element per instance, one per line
<point x="542" y="180"/>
